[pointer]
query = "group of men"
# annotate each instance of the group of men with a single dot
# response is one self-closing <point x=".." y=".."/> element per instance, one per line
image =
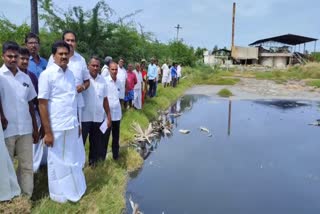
<point x="48" y="109"/>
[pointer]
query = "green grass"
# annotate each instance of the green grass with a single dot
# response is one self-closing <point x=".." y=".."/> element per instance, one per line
<point x="308" y="71"/>
<point x="225" y="93"/>
<point x="315" y="83"/>
<point x="106" y="184"/>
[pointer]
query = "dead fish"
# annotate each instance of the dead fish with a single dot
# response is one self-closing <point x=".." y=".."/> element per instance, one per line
<point x="184" y="131"/>
<point x="176" y="114"/>
<point x="204" y="129"/>
<point x="134" y="206"/>
<point x="316" y="123"/>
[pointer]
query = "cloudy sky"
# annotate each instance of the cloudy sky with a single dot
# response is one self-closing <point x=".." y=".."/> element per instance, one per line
<point x="205" y="23"/>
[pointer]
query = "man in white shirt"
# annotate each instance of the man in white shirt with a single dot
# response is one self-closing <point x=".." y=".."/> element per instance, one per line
<point x="165" y="75"/>
<point x="105" y="68"/>
<point x="152" y="77"/>
<point x="59" y="116"/>
<point x="17" y="114"/>
<point x="137" y="101"/>
<point x="9" y="186"/>
<point x="93" y="114"/>
<point x="77" y="65"/>
<point x="114" y="86"/>
<point x="178" y="72"/>
<point x="122" y="78"/>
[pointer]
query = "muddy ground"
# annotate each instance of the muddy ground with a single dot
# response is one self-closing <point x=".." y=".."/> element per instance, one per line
<point x="250" y="88"/>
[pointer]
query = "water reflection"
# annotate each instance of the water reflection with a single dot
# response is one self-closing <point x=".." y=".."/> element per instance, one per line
<point x="170" y="119"/>
<point x="283" y="104"/>
<point x="266" y="165"/>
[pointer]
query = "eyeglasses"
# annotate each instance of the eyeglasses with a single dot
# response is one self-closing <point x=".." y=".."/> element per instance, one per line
<point x="12" y="56"/>
<point x="114" y="69"/>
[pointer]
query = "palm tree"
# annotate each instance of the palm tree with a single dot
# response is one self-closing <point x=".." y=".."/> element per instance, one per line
<point x="34" y="17"/>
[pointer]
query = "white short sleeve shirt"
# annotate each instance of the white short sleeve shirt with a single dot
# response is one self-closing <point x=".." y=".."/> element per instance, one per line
<point x="139" y="80"/>
<point x="15" y="94"/>
<point x="113" y="88"/>
<point x="78" y="66"/>
<point x="93" y="97"/>
<point x="122" y="78"/>
<point x="59" y="88"/>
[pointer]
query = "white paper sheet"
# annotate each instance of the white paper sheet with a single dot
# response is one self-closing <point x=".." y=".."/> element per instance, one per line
<point x="104" y="126"/>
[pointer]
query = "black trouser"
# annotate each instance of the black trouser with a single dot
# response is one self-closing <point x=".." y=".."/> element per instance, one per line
<point x="96" y="143"/>
<point x="115" y="129"/>
<point x="152" y="86"/>
<point x="174" y="81"/>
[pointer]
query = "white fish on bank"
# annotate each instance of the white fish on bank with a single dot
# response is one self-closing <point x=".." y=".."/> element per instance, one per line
<point x="184" y="131"/>
<point x="175" y="114"/>
<point x="134" y="206"/>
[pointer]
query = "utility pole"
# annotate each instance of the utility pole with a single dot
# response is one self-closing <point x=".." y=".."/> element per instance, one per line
<point x="34" y="17"/>
<point x="178" y="28"/>
<point x="233" y="24"/>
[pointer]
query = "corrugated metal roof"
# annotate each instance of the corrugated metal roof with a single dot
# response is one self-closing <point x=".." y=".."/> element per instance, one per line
<point x="289" y="39"/>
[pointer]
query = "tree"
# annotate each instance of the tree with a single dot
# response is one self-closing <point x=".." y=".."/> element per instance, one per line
<point x="34" y="17"/>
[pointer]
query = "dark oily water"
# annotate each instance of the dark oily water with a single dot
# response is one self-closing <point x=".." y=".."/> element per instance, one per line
<point x="269" y="162"/>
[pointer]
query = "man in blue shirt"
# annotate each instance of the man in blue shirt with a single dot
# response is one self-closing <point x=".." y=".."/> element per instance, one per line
<point x="174" y="74"/>
<point x="152" y="78"/>
<point x="36" y="63"/>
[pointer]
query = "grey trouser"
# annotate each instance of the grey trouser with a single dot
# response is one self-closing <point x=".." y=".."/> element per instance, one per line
<point x="21" y="145"/>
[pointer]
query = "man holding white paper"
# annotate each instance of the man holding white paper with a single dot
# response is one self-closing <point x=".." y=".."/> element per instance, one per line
<point x="93" y="114"/>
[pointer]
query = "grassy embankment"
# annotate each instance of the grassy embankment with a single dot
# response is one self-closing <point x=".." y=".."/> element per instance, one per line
<point x="310" y="73"/>
<point x="106" y="184"/>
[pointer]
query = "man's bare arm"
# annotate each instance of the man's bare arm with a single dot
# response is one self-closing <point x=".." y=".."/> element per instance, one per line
<point x="107" y="110"/>
<point x="35" y="133"/>
<point x="44" y="114"/>
<point x="84" y="86"/>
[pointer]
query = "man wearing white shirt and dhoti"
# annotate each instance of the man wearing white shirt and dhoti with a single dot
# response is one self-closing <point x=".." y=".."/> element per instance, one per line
<point x="58" y="110"/>
<point x="93" y="114"/>
<point x="165" y="75"/>
<point x="17" y="115"/>
<point x="78" y="66"/>
<point x="9" y="186"/>
<point x="122" y="79"/>
<point x="114" y="86"/>
<point x="137" y="101"/>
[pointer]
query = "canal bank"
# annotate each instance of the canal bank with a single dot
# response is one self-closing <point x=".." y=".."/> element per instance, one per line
<point x="107" y="182"/>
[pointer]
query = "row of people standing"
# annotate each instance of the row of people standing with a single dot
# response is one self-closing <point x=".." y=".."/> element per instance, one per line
<point x="67" y="112"/>
<point x="61" y="102"/>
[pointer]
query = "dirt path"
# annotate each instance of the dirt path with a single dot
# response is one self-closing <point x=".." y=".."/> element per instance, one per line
<point x="250" y="88"/>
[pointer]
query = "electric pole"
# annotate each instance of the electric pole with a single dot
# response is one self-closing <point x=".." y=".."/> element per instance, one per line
<point x="34" y="17"/>
<point x="178" y="28"/>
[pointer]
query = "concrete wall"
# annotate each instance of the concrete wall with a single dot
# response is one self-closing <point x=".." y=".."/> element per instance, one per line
<point x="244" y="52"/>
<point x="277" y="60"/>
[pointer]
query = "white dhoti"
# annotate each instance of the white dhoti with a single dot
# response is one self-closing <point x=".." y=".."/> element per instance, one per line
<point x="137" y="101"/>
<point x="165" y="79"/>
<point x="65" y="176"/>
<point x="40" y="150"/>
<point x="9" y="186"/>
